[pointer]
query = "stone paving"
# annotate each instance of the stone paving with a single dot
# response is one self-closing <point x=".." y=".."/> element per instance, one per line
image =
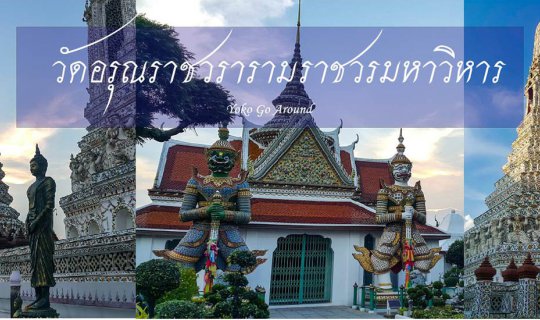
<point x="75" y="311"/>
<point x="330" y="312"/>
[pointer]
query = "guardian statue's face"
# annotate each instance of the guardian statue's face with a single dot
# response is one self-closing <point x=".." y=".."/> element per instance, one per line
<point x="221" y="161"/>
<point x="402" y="172"/>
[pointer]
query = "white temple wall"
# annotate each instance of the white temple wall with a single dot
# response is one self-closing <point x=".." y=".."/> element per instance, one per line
<point x="146" y="244"/>
<point x="345" y="271"/>
<point x="437" y="272"/>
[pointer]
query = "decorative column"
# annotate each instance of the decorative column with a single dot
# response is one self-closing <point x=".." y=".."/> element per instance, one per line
<point x="527" y="304"/>
<point x="372" y="299"/>
<point x="482" y="289"/>
<point x="510" y="277"/>
<point x="355" y="296"/>
<point x="363" y="299"/>
<point x="402" y="296"/>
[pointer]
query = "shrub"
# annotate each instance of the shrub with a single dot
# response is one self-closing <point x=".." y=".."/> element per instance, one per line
<point x="438" y="285"/>
<point x="438" y="302"/>
<point x="451" y="281"/>
<point x="187" y="288"/>
<point x="222" y="310"/>
<point x="154" y="278"/>
<point x="140" y="312"/>
<point x="177" y="309"/>
<point x="235" y="300"/>
<point x="420" y="296"/>
<point x="446" y="312"/>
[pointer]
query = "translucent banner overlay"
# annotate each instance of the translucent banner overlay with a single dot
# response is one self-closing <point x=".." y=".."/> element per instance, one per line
<point x="363" y="77"/>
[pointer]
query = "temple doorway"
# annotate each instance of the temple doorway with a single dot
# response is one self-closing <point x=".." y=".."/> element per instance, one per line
<point x="301" y="270"/>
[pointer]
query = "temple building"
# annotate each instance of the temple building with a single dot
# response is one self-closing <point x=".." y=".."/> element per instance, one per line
<point x="312" y="200"/>
<point x="510" y="229"/>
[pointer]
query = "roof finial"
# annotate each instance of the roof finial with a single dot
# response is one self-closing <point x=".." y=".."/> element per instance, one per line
<point x="298" y="23"/>
<point x="401" y="147"/>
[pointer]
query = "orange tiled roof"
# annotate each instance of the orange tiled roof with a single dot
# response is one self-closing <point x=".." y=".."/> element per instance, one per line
<point x="293" y="211"/>
<point x="179" y="166"/>
<point x="346" y="161"/>
<point x="277" y="211"/>
<point x="160" y="217"/>
<point x="370" y="173"/>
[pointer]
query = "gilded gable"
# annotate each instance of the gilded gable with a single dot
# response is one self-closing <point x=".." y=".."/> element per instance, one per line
<point x="304" y="163"/>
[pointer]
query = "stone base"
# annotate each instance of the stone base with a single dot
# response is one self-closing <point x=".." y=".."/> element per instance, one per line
<point x="42" y="313"/>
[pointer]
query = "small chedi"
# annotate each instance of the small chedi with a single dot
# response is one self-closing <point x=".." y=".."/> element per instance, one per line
<point x="401" y="246"/>
<point x="39" y="223"/>
<point x="216" y="204"/>
<point x="12" y="230"/>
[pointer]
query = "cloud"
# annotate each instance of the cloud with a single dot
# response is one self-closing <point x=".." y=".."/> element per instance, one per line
<point x="212" y="12"/>
<point x="469" y="222"/>
<point x="60" y="111"/>
<point x="18" y="145"/>
<point x="506" y="101"/>
<point x="476" y="145"/>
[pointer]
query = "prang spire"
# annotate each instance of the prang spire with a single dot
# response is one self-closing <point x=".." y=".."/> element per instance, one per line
<point x="294" y="94"/>
<point x="298" y="23"/>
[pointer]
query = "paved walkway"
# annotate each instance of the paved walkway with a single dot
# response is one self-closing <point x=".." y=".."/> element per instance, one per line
<point x="74" y="311"/>
<point x="330" y="312"/>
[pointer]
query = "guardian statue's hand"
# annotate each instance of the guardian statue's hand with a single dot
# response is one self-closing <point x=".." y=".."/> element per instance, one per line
<point x="408" y="214"/>
<point x="216" y="212"/>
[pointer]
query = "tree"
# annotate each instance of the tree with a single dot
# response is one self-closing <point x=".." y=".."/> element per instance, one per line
<point x="154" y="278"/>
<point x="455" y="254"/>
<point x="194" y="103"/>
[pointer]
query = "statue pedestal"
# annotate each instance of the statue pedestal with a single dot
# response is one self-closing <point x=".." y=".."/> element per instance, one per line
<point x="384" y="282"/>
<point x="41" y="313"/>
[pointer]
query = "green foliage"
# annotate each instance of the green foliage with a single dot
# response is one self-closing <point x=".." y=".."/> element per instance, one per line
<point x="236" y="279"/>
<point x="446" y="296"/>
<point x="451" y="281"/>
<point x="235" y="300"/>
<point x="438" y="285"/>
<point x="187" y="288"/>
<point x="455" y="254"/>
<point x="438" y="302"/>
<point x="154" y="278"/>
<point x="176" y="309"/>
<point x="443" y="312"/>
<point x="451" y="278"/>
<point x="192" y="103"/>
<point x="140" y="312"/>
<point x="245" y="259"/>
<point x="420" y="296"/>
<point x="222" y="310"/>
<point x="462" y="283"/>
